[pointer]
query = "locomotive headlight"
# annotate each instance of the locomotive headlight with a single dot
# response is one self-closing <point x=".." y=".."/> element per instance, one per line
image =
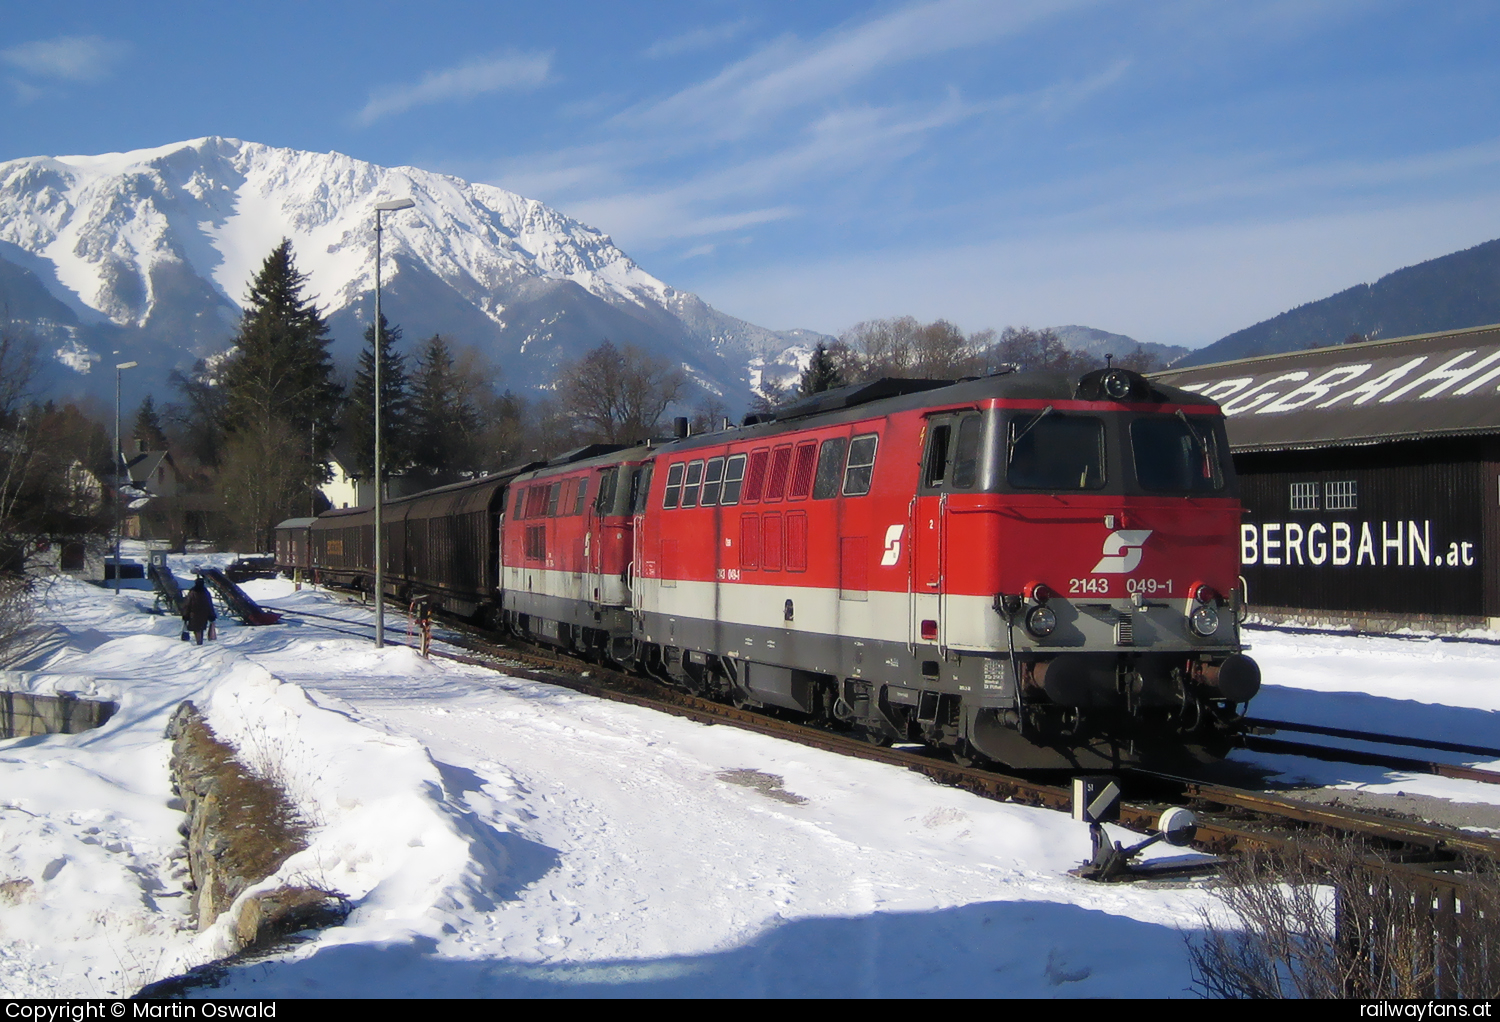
<point x="1041" y="621"/>
<point x="1205" y="620"/>
<point x="1117" y="385"/>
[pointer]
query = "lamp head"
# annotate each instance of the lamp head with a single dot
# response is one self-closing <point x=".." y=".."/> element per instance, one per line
<point x="391" y="205"/>
<point x="126" y="365"/>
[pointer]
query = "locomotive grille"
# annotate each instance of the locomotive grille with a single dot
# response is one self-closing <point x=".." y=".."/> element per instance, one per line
<point x="1124" y="631"/>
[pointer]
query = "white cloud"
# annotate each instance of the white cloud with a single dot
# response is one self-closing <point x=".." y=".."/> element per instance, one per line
<point x="68" y="58"/>
<point x="509" y="71"/>
<point x="713" y="200"/>
<point x="789" y="73"/>
<point x="697" y="39"/>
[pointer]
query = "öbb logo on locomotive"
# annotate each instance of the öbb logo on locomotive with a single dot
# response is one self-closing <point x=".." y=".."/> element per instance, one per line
<point x="1123" y="550"/>
<point x="905" y="560"/>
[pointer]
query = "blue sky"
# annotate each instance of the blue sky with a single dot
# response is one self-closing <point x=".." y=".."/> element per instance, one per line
<point x="1171" y="170"/>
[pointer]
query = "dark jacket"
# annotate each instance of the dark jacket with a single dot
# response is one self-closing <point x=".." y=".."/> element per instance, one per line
<point x="198" y="608"/>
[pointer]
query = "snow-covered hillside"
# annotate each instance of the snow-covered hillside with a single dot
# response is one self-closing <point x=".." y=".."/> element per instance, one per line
<point x="151" y="251"/>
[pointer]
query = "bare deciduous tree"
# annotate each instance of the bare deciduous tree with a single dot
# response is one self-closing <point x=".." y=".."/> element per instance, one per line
<point x="263" y="479"/>
<point x="619" y="394"/>
<point x="902" y="346"/>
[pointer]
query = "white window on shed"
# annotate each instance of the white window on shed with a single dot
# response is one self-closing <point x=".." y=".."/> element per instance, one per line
<point x="1304" y="496"/>
<point x="1341" y="496"/>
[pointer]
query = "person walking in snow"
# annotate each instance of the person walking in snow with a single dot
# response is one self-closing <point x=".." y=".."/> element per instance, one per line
<point x="198" y="611"/>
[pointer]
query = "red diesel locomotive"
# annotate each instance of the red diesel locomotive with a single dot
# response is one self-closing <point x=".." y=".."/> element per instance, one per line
<point x="1028" y="568"/>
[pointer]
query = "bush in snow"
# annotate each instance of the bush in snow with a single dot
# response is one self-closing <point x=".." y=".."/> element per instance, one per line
<point x="1327" y="923"/>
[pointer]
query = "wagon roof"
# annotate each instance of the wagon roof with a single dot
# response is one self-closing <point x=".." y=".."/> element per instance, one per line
<point x="1439" y="384"/>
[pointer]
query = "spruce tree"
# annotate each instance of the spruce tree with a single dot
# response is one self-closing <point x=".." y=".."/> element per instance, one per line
<point x="822" y="372"/>
<point x="280" y="402"/>
<point x="395" y="408"/>
<point x="281" y="369"/>
<point x="445" y="420"/>
<point x="147" y="426"/>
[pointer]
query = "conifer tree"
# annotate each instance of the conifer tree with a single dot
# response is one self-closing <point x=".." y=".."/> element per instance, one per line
<point x="281" y="370"/>
<point x="147" y="426"/>
<point x="445" y="418"/>
<point x="395" y="408"/>
<point x="822" y="372"/>
<point x="279" y="402"/>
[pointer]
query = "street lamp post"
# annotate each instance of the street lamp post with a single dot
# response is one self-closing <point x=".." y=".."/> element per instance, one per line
<point x="119" y="465"/>
<point x="390" y="206"/>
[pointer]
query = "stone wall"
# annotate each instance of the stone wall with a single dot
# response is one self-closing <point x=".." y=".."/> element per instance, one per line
<point x="240" y="828"/>
<point x="23" y="714"/>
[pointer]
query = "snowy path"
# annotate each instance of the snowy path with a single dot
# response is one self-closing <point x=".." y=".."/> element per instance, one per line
<point x="634" y="852"/>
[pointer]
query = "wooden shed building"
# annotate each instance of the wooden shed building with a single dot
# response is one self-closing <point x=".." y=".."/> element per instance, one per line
<point x="1370" y="474"/>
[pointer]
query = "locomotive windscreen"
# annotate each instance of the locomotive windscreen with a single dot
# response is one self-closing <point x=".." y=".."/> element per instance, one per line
<point x="1054" y="451"/>
<point x="1174" y="455"/>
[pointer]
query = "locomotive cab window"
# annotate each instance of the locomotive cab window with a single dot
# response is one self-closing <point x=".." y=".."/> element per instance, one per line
<point x="1173" y="454"/>
<point x="966" y="454"/>
<point x="640" y="489"/>
<point x="1052" y="451"/>
<point x="604" y="503"/>
<point x="583" y="492"/>
<point x="937" y="455"/>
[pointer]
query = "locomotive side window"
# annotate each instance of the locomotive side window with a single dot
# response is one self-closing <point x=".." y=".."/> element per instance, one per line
<point x="640" y="489"/>
<point x="552" y="496"/>
<point x="1052" y="451"/>
<point x="713" y="481"/>
<point x="755" y="475"/>
<point x="734" y="475"/>
<point x="937" y="455"/>
<point x="861" y="466"/>
<point x="1173" y="455"/>
<point x="781" y="460"/>
<point x="519" y="511"/>
<point x="830" y="468"/>
<point x="583" y="492"/>
<point x="674" y="486"/>
<point x="966" y="454"/>
<point x="536" y="501"/>
<point x="691" y="485"/>
<point x="604" y="503"/>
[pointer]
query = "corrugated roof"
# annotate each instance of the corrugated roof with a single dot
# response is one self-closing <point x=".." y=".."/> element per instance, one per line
<point x="1442" y="384"/>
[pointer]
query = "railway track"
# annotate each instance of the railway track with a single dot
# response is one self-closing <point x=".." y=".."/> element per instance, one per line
<point x="1365" y="757"/>
<point x="1230" y="820"/>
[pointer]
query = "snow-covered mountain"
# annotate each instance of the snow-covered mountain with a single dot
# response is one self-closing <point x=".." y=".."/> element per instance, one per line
<point x="146" y="255"/>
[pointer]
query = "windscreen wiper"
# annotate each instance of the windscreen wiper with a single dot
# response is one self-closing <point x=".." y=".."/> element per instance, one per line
<point x="1208" y="466"/>
<point x="1028" y="428"/>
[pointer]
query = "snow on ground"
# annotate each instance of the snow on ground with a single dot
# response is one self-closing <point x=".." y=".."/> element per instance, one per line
<point x="502" y="837"/>
<point x="1415" y="687"/>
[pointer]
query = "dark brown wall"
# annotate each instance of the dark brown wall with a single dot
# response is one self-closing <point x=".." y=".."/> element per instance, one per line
<point x="1446" y="487"/>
